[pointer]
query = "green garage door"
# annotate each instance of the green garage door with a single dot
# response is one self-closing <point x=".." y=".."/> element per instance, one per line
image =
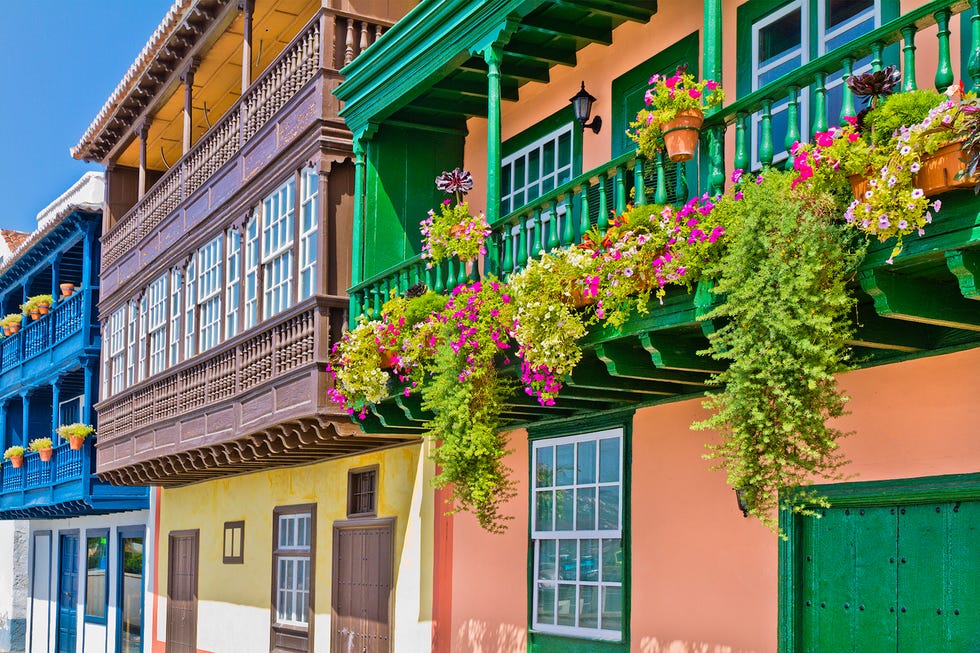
<point x="896" y="578"/>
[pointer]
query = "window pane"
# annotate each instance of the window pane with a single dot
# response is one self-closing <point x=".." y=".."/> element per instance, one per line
<point x="565" y="510"/>
<point x="612" y="608"/>
<point x="839" y="11"/>
<point x="609" y="460"/>
<point x="588" y="610"/>
<point x="780" y="36"/>
<point x="544" y="510"/>
<point x="566" y="605"/>
<point x="608" y="508"/>
<point x="566" y="465"/>
<point x="586" y="462"/>
<point x="588" y="564"/>
<point x="567" y="559"/>
<point x="544" y="477"/>
<point x="585" y="509"/>
<point x="131" y="630"/>
<point x="546" y="604"/>
<point x="546" y="559"/>
<point x="96" y="582"/>
<point x="612" y="561"/>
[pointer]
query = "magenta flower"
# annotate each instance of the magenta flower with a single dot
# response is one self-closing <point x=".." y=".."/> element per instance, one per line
<point x="694" y="93"/>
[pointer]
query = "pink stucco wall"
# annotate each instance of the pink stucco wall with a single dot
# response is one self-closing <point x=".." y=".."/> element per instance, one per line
<point x="704" y="578"/>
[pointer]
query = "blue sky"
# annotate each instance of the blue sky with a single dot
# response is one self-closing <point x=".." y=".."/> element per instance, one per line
<point x="59" y="61"/>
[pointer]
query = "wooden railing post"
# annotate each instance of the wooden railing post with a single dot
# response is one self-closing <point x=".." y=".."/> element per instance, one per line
<point x="944" y="67"/>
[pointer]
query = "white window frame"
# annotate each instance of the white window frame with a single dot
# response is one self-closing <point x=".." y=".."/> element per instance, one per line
<point x="118" y="325"/>
<point x="233" y="280"/>
<point x="80" y="400"/>
<point x="599" y="535"/>
<point x="190" y="308"/>
<point x="252" y="272"/>
<point x="156" y="324"/>
<point x="132" y="356"/>
<point x="293" y="572"/>
<point x="209" y="286"/>
<point x="176" y="313"/>
<point x="309" y="222"/>
<point x="276" y="240"/>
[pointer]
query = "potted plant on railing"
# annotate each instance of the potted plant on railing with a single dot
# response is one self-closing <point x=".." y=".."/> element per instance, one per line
<point x="44" y="303"/>
<point x="67" y="289"/>
<point x="453" y="231"/>
<point x="674" y="114"/>
<point x="37" y="306"/>
<point x="43" y="448"/>
<point x="75" y="433"/>
<point x="15" y="455"/>
<point x="11" y="323"/>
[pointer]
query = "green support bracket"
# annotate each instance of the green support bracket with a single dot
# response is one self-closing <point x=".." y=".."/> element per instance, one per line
<point x="918" y="300"/>
<point x="679" y="353"/>
<point x="628" y="358"/>
<point x="965" y="265"/>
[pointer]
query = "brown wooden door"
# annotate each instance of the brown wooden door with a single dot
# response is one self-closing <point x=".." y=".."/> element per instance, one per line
<point x="361" y="593"/>
<point x="182" y="593"/>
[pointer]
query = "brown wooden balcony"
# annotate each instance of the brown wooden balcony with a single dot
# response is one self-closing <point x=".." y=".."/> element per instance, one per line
<point x="256" y="401"/>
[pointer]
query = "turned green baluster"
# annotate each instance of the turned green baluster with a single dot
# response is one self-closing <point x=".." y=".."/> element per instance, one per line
<point x="379" y="292"/>
<point x="603" y="216"/>
<point x="908" y="56"/>
<point x="660" y="195"/>
<point x="639" y="190"/>
<point x="620" y="190"/>
<point x="584" y="225"/>
<point x="568" y="222"/>
<point x="492" y="260"/>
<point x="765" y="140"/>
<point x="820" y="104"/>
<point x="429" y="278"/>
<point x="507" y="242"/>
<point x="847" y="107"/>
<point x="944" y="71"/>
<point x="402" y="281"/>
<point x="416" y="274"/>
<point x="355" y="309"/>
<point x="716" y="180"/>
<point x="974" y="66"/>
<point x="451" y="277"/>
<point x="877" y="60"/>
<point x="741" y="143"/>
<point x="521" y="243"/>
<point x="438" y="285"/>
<point x="537" y="244"/>
<point x="680" y="187"/>
<point x="474" y="271"/>
<point x="793" y="124"/>
<point x="552" y="241"/>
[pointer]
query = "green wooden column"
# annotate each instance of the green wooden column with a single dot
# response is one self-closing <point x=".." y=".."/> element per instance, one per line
<point x="715" y="138"/>
<point x="974" y="64"/>
<point x="493" y="54"/>
<point x="357" y="236"/>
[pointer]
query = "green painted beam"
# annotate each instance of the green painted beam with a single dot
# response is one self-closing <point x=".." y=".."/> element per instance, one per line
<point x="472" y="85"/>
<point x="412" y="407"/>
<point x="639" y="11"/>
<point x="551" y="55"/>
<point x="628" y="358"/>
<point x="511" y="68"/>
<point x="393" y="417"/>
<point x="592" y="373"/>
<point x="917" y="300"/>
<point x="876" y="332"/>
<point x="457" y="105"/>
<point x="679" y="353"/>
<point x="568" y="29"/>
<point x="965" y="265"/>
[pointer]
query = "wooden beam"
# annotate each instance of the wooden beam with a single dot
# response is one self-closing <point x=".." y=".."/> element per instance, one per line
<point x="473" y="86"/>
<point x="623" y="10"/>
<point x="629" y="358"/>
<point x="877" y="332"/>
<point x="965" y="265"/>
<point x="525" y="71"/>
<point x="568" y="29"/>
<point x="679" y="353"/>
<point x="457" y="105"/>
<point x="592" y="373"/>
<point x="904" y="297"/>
<point x="550" y="55"/>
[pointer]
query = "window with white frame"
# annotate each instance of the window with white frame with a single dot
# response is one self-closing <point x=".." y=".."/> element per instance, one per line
<point x="277" y="250"/>
<point x="156" y="327"/>
<point x="141" y="361"/>
<point x="117" y="348"/>
<point x="133" y="344"/>
<point x="209" y="287"/>
<point x="252" y="272"/>
<point x="577" y="535"/>
<point x="781" y="43"/>
<point x="176" y="285"/>
<point x="292" y="562"/>
<point x="190" y="323"/>
<point x="233" y="281"/>
<point x="307" y="234"/>
<point x="70" y="410"/>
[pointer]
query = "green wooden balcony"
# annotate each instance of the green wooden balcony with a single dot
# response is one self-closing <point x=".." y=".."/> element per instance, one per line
<point x="924" y="302"/>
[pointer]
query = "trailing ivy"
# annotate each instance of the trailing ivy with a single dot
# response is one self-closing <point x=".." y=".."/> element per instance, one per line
<point x="785" y="322"/>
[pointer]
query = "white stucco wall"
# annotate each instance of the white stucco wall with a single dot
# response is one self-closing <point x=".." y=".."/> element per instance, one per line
<point x="13" y="585"/>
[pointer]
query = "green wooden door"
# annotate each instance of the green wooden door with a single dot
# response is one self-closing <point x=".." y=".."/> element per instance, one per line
<point x="901" y="579"/>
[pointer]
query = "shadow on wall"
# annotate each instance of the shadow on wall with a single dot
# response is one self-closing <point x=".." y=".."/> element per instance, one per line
<point x="654" y="645"/>
<point x="479" y="637"/>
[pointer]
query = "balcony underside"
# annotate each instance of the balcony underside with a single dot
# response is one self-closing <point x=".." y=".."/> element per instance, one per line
<point x="927" y="302"/>
<point x="296" y="442"/>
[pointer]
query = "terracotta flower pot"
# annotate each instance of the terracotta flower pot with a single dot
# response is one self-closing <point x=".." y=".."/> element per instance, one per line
<point x="681" y="135"/>
<point x="939" y="169"/>
<point x="67" y="289"/>
<point x="16" y="461"/>
<point x="580" y="299"/>
<point x="6" y="330"/>
<point x="45" y="454"/>
<point x="387" y="359"/>
<point x="75" y="442"/>
<point x="14" y="328"/>
<point x="457" y="230"/>
<point x="43" y="308"/>
<point x="859" y="185"/>
<point x="35" y="314"/>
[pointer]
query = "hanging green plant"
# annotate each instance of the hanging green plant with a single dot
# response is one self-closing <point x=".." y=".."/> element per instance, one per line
<point x="785" y="322"/>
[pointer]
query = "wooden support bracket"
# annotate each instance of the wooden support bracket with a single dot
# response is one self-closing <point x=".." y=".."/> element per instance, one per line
<point x="918" y="300"/>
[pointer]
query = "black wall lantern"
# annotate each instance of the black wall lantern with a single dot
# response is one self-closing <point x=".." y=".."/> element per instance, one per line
<point x="741" y="499"/>
<point x="582" y="103"/>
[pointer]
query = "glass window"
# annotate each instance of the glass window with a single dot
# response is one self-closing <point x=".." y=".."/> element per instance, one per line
<point x="277" y="250"/>
<point x="577" y="531"/>
<point x="177" y="284"/>
<point x="131" y="594"/>
<point x="233" y="282"/>
<point x="307" y="234"/>
<point x="190" y="321"/>
<point x="209" y="287"/>
<point x="536" y="169"/>
<point x="251" y="273"/>
<point x="96" y="576"/>
<point x="291" y="562"/>
<point x="362" y="488"/>
<point x="156" y="328"/>
<point x="131" y="354"/>
<point x="117" y="348"/>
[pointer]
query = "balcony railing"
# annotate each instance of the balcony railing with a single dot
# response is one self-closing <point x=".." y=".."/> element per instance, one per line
<point x="562" y="216"/>
<point x="66" y="465"/>
<point x="267" y="353"/>
<point x="284" y="78"/>
<point x="65" y="319"/>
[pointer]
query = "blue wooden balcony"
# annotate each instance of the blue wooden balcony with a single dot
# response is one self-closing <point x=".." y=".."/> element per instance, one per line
<point x="48" y="342"/>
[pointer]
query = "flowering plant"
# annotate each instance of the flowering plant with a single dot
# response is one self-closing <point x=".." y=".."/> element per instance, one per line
<point x="667" y="97"/>
<point x="453" y="231"/>
<point x="355" y="366"/>
<point x="834" y="154"/>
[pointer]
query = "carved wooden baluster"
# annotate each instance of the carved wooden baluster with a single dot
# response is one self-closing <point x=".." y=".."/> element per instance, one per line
<point x="620" y="189"/>
<point x="820" y="104"/>
<point x="603" y="221"/>
<point x="362" y="46"/>
<point x="377" y="33"/>
<point x="765" y="139"/>
<point x="491" y="261"/>
<point x="908" y="56"/>
<point x="568" y="221"/>
<point x="552" y="240"/>
<point x="507" y="242"/>
<point x="584" y="223"/>
<point x="944" y="69"/>
<point x="973" y="67"/>
<point x="349" y="43"/>
<point x="521" y="243"/>
<point x="660" y="195"/>
<point x="741" y="143"/>
<point x="639" y="190"/>
<point x="877" y="58"/>
<point x="680" y="185"/>
<point x="793" y="125"/>
<point x="437" y="285"/>
<point x="847" y="108"/>
<point x="536" y="244"/>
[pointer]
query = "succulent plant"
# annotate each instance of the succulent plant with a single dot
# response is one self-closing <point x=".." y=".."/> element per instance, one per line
<point x="415" y="291"/>
<point x="455" y="182"/>
<point x="875" y="85"/>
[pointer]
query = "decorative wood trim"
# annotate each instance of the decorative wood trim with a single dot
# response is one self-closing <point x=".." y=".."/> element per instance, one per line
<point x="229" y="530"/>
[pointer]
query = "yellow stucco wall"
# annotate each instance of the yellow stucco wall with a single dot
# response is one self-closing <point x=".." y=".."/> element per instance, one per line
<point x="241" y="593"/>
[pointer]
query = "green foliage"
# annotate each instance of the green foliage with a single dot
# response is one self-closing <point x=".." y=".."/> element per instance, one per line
<point x="75" y="430"/>
<point x="785" y="321"/>
<point x="418" y="309"/>
<point x="355" y="365"/>
<point x="13" y="451"/>
<point x="11" y="318"/>
<point x="40" y="443"/>
<point x="900" y="109"/>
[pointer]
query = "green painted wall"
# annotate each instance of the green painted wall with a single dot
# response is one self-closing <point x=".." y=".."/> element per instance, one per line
<point x="402" y="164"/>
